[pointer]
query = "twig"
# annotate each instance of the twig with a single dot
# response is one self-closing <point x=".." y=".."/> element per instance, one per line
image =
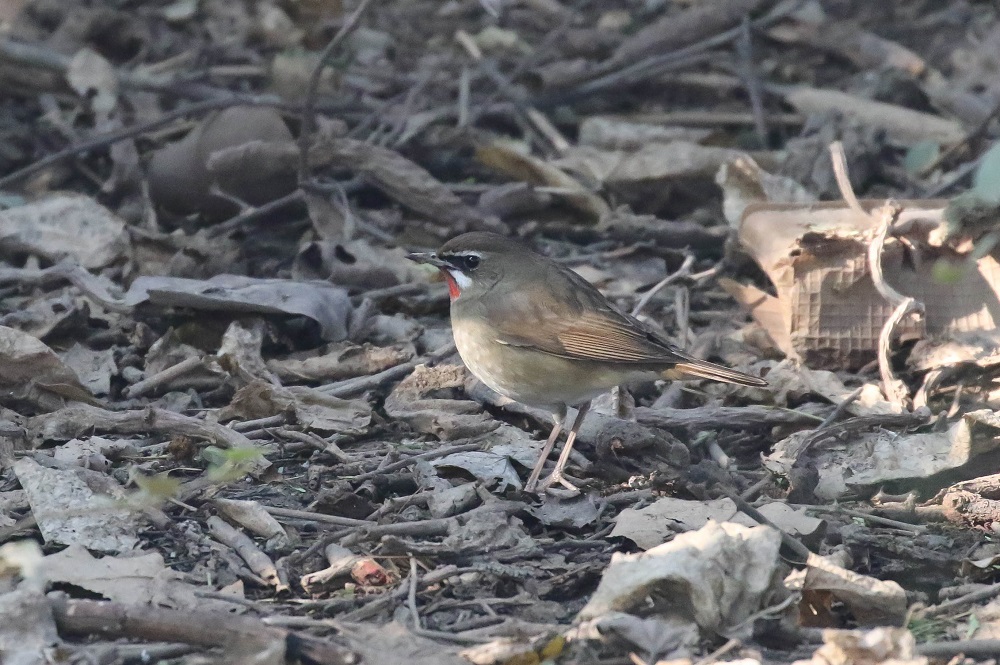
<point x="378" y="603"/>
<point x="874" y="519"/>
<point x="969" y="598"/>
<point x="793" y="543"/>
<point x="254" y="213"/>
<point x="683" y="271"/>
<point x="858" y="423"/>
<point x="895" y="390"/>
<point x="744" y="49"/>
<point x="411" y="596"/>
<point x="315" y="441"/>
<point x="718" y="455"/>
<point x="463" y="98"/>
<point x="38" y="56"/>
<point x="839" y="410"/>
<point x="104" y="140"/>
<point x="843" y="180"/>
<point x="954" y="148"/>
<point x="259" y="562"/>
<point x="750" y="493"/>
<point x="720" y="417"/>
<point x="316" y="517"/>
<point x="410" y="461"/>
<point x="359" y="384"/>
<point x="613" y="76"/>
<point x="969" y="648"/>
<point x="211" y="629"/>
<point x="259" y="423"/>
<point x="957" y="176"/>
<point x="718" y="653"/>
<point x="309" y="105"/>
<point x="162" y="378"/>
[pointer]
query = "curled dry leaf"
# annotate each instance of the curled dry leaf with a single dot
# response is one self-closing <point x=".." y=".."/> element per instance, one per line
<point x="327" y="305"/>
<point x="95" y="369"/>
<point x="452" y="500"/>
<point x="901" y="124"/>
<point x="677" y="29"/>
<point x="69" y="511"/>
<point x="28" y="629"/>
<point x="505" y="160"/>
<point x="788" y="382"/>
<point x="240" y="351"/>
<point x="342" y="361"/>
<point x="669" y="640"/>
<point x="880" y="456"/>
<point x="253" y="517"/>
<point x="31" y="372"/>
<point x="608" y="133"/>
<point x="312" y="409"/>
<point x="726" y="572"/>
<point x="445" y="418"/>
<point x="569" y="514"/>
<point x="653" y="525"/>
<point x="95" y="452"/>
<point x="399" y="178"/>
<point x="872" y="602"/>
<point x="860" y="647"/>
<point x="259" y="562"/>
<point x="485" y="466"/>
<point x="65" y="225"/>
<point x="744" y="182"/>
<point x="653" y="163"/>
<point x="849" y="40"/>
<point x="130" y="580"/>
<point x="92" y="77"/>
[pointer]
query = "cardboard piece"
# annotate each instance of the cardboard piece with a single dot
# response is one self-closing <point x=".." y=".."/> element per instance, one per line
<point x="826" y="311"/>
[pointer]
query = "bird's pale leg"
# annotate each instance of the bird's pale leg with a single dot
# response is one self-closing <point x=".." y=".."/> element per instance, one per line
<point x="546" y="449"/>
<point x="556" y="476"/>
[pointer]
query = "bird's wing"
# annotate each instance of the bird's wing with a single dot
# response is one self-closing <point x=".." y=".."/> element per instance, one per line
<point x="572" y="319"/>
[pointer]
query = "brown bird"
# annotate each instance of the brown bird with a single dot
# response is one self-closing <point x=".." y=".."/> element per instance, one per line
<point x="538" y="333"/>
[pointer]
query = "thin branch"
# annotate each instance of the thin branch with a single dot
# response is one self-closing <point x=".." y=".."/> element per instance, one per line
<point x="895" y="390"/>
<point x="843" y="180"/>
<point x="104" y="140"/>
<point x="411" y="596"/>
<point x="683" y="271"/>
<point x="309" y="106"/>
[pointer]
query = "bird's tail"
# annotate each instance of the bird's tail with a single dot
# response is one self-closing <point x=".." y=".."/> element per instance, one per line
<point x="692" y="368"/>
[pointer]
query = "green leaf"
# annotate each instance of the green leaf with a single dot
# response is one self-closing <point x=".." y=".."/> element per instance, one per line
<point x="973" y="626"/>
<point x="161" y="486"/>
<point x="920" y="156"/>
<point x="227" y="465"/>
<point x="986" y="180"/>
<point x="948" y="272"/>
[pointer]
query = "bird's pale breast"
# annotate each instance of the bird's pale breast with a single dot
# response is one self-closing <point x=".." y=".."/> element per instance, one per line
<point x="532" y="377"/>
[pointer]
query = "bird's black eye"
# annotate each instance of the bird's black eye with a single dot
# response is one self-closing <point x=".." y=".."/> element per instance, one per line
<point x="463" y="262"/>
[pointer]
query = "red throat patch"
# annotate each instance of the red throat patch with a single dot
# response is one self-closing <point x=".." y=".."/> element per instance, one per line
<point x="453" y="290"/>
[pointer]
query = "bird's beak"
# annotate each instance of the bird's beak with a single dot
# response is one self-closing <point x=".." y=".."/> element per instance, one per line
<point x="429" y="258"/>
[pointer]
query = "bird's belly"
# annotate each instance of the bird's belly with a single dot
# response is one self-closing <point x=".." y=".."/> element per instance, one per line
<point x="532" y="377"/>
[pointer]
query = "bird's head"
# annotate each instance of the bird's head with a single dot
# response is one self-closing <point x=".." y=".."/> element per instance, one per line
<point x="473" y="263"/>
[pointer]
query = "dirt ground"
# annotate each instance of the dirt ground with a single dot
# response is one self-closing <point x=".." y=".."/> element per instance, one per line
<point x="234" y="424"/>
